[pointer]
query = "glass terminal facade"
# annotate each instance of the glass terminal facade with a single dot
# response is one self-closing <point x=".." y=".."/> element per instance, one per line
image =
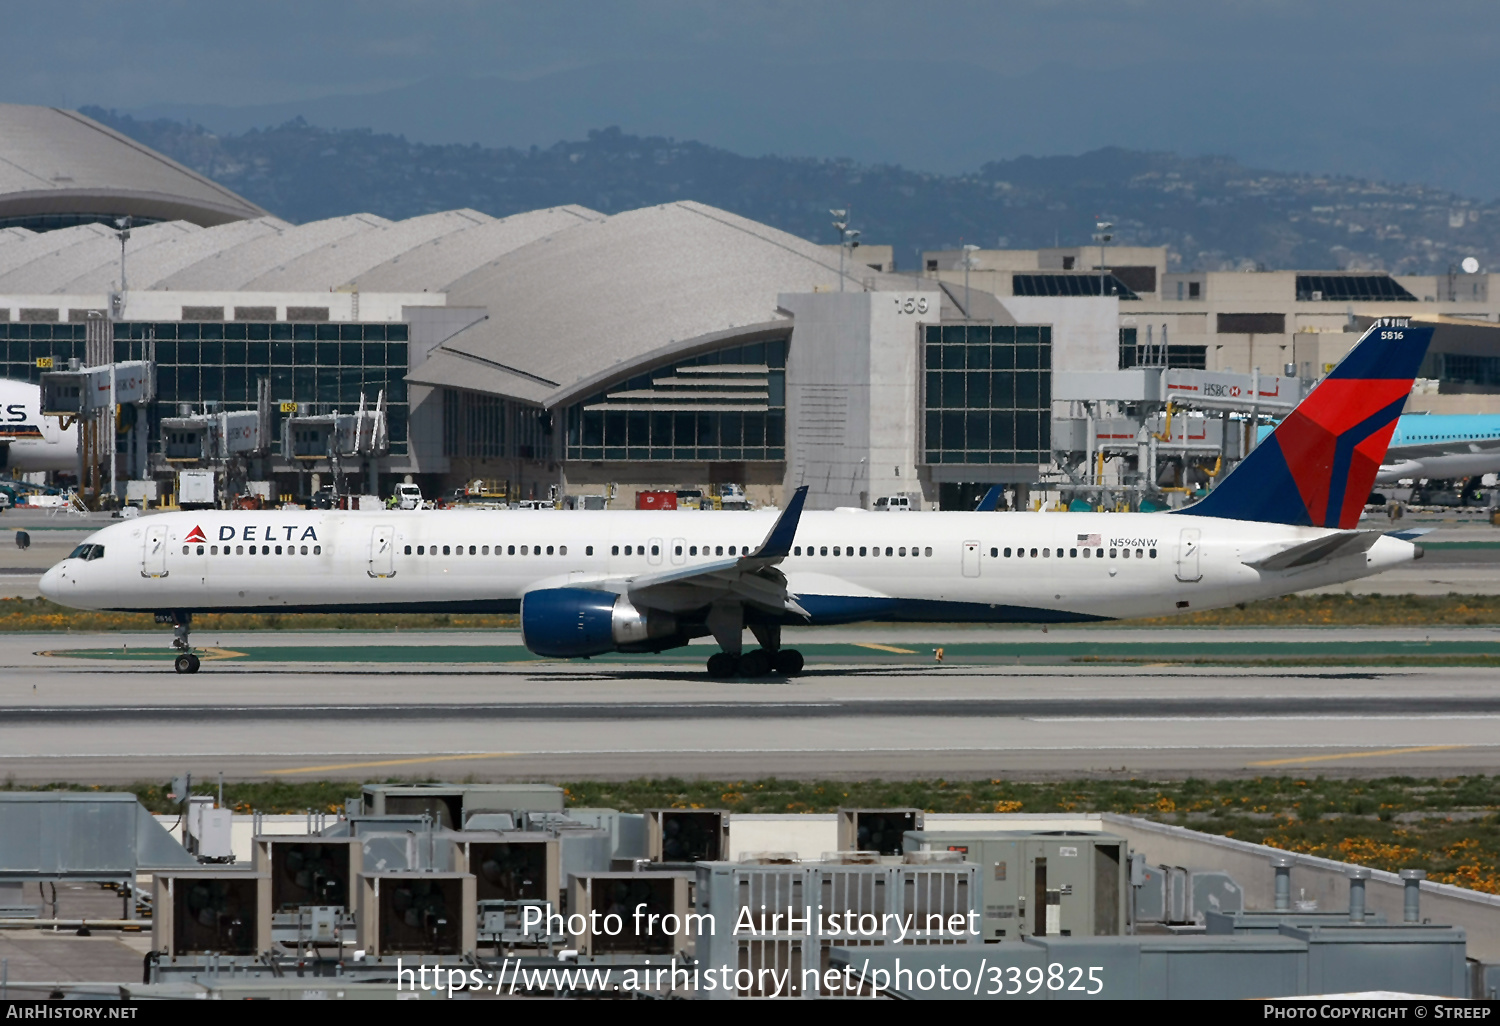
<point x="1076" y="284"/>
<point x="330" y="365"/>
<point x="987" y="397"/>
<point x="1135" y="354"/>
<point x="728" y="405"/>
<point x="1351" y="288"/>
<point x="1478" y="373"/>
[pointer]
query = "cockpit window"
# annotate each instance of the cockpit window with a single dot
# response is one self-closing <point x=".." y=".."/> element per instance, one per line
<point x="87" y="552"/>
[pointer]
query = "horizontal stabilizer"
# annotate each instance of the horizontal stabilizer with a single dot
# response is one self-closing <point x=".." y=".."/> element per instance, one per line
<point x="1412" y="533"/>
<point x="1345" y="543"/>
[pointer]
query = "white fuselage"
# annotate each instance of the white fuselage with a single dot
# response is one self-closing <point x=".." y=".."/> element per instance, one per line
<point x="31" y="442"/>
<point x="847" y="566"/>
<point x="1439" y="467"/>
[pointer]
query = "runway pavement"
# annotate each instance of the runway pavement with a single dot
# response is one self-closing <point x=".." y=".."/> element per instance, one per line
<point x="447" y="712"/>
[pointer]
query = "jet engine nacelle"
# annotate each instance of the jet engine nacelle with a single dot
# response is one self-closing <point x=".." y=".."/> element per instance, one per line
<point x="571" y="622"/>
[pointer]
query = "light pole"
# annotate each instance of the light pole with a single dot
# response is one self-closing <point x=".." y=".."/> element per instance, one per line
<point x="848" y="239"/>
<point x="1102" y="236"/>
<point x="123" y="224"/>
<point x="969" y="262"/>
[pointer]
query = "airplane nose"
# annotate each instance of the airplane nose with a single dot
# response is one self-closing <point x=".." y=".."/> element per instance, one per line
<point x="51" y="584"/>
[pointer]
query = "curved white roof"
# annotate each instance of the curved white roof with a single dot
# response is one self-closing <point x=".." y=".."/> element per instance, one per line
<point x="59" y="162"/>
<point x="341" y="261"/>
<point x="266" y="254"/>
<point x="435" y="265"/>
<point x="146" y="268"/>
<point x="41" y="244"/>
<point x="589" y="305"/>
<point x="235" y="267"/>
<point x="100" y="254"/>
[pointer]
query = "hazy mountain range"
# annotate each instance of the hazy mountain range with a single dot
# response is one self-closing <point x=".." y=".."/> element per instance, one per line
<point x="1212" y="212"/>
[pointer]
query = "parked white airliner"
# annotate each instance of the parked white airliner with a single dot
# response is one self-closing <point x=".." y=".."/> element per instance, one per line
<point x="30" y="442"/>
<point x="587" y="583"/>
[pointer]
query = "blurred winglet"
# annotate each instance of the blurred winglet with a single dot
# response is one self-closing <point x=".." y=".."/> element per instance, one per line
<point x="778" y="544"/>
<point x="991" y="500"/>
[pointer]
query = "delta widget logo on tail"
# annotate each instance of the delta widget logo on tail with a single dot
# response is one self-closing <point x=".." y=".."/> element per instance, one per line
<point x="1318" y="466"/>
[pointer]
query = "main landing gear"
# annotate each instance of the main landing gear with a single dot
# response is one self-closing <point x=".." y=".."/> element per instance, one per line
<point x="726" y="622"/>
<point x="758" y="662"/>
<point x="186" y="661"/>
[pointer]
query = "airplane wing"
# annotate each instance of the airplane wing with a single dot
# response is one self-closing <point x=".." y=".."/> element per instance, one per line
<point x="1345" y="543"/>
<point x="752" y="578"/>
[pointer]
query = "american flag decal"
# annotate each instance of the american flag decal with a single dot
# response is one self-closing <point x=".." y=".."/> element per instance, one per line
<point x="1089" y="540"/>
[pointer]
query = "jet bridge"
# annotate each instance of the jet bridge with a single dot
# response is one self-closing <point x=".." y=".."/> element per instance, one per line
<point x="225" y="441"/>
<point x="310" y="436"/>
<point x="214" y="437"/>
<point x="1159" y="434"/>
<point x="93" y="396"/>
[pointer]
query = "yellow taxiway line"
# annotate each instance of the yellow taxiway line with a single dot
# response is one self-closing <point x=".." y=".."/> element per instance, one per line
<point x="391" y="762"/>
<point x="1358" y="755"/>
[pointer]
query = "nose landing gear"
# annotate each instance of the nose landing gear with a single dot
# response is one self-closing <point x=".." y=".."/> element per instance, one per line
<point x="186" y="661"/>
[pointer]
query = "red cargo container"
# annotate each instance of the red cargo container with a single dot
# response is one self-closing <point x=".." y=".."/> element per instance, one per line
<point x="655" y="500"/>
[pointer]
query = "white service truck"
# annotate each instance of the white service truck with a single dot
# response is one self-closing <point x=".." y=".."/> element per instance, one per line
<point x="409" y="496"/>
<point x="195" y="489"/>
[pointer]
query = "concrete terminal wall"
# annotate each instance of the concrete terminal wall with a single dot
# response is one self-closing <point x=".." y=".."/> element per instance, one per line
<point x="808" y="836"/>
<point x="1313" y="879"/>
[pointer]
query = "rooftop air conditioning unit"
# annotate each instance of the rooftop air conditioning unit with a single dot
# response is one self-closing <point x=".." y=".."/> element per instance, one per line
<point x="204" y="911"/>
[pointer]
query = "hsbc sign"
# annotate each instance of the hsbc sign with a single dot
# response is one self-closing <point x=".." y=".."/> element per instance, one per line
<point x="1227" y="390"/>
<point x="134" y="382"/>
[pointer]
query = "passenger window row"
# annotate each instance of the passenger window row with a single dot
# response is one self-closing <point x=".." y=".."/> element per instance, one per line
<point x="873" y="550"/>
<point x="265" y="550"/>
<point x="1046" y="553"/>
<point x="562" y="550"/>
<point x="677" y="550"/>
<point x="500" y="550"/>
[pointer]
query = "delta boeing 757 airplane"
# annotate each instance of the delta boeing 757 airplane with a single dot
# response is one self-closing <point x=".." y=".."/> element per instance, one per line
<point x="589" y="583"/>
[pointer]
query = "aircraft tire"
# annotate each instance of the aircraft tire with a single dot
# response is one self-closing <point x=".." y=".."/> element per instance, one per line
<point x="186" y="663"/>
<point x="755" y="663"/>
<point x="789" y="662"/>
<point x="722" y="664"/>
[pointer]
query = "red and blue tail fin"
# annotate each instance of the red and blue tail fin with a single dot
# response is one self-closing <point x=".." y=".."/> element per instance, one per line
<point x="1316" y="469"/>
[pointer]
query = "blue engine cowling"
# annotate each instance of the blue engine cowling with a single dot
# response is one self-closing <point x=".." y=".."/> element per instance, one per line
<point x="572" y="622"/>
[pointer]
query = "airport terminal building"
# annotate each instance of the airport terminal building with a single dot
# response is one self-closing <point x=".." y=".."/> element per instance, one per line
<point x="566" y="352"/>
